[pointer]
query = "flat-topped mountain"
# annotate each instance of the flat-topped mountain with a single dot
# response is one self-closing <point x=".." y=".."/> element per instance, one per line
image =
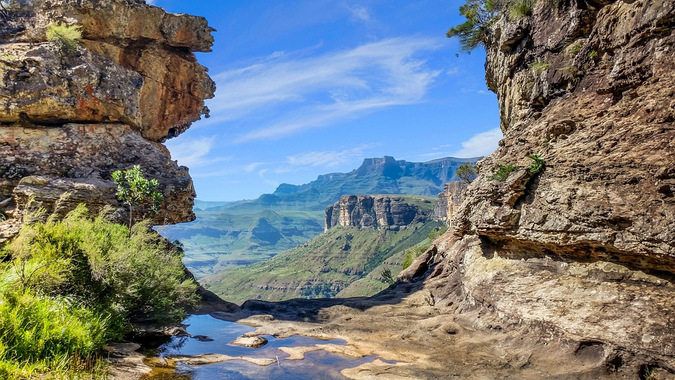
<point x="384" y="175"/>
<point x="239" y="233"/>
<point x="371" y="230"/>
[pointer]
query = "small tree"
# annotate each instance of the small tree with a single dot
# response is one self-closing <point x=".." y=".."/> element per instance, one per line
<point x="466" y="172"/>
<point x="67" y="37"/>
<point x="133" y="189"/>
<point x="479" y="15"/>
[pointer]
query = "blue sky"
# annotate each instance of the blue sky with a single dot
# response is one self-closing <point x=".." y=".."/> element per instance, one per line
<point x="309" y="87"/>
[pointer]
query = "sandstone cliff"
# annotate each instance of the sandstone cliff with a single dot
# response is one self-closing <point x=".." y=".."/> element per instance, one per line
<point x="583" y="250"/>
<point x="68" y="119"/>
<point x="449" y="200"/>
<point x="376" y="211"/>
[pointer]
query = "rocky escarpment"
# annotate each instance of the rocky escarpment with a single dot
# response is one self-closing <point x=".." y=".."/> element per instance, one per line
<point x="583" y="249"/>
<point x="375" y="211"/>
<point x="449" y="200"/>
<point x="69" y="118"/>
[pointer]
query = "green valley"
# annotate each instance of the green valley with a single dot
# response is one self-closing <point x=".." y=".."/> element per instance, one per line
<point x="337" y="259"/>
<point x="231" y="234"/>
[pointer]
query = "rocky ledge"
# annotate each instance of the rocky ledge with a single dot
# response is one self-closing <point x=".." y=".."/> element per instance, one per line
<point x="69" y="118"/>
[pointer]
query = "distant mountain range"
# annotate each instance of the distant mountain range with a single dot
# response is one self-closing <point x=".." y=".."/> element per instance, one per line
<point x="237" y="233"/>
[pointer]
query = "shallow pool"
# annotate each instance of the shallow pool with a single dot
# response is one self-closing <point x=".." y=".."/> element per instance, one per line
<point x="316" y="364"/>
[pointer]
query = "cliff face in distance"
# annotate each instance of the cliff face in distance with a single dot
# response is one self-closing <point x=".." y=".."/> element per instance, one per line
<point x="583" y="250"/>
<point x="68" y="119"/>
<point x="376" y="211"/>
<point x="362" y="232"/>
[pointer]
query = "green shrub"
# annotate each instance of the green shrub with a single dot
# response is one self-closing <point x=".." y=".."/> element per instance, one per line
<point x="593" y="54"/>
<point x="386" y="276"/>
<point x="99" y="265"/>
<point x="41" y="335"/>
<point x="537" y="164"/>
<point x="69" y="286"/>
<point x="66" y="36"/>
<point x="520" y="8"/>
<point x="537" y="67"/>
<point x="501" y="172"/>
<point x="574" y="48"/>
<point x="466" y="172"/>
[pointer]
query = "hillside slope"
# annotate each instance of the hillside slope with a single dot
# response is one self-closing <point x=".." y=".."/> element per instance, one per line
<point x="227" y="234"/>
<point x="330" y="262"/>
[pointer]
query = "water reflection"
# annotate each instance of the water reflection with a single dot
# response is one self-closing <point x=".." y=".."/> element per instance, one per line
<point x="316" y="365"/>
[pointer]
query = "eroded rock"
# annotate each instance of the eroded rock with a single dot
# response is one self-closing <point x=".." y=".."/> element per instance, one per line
<point x="69" y="118"/>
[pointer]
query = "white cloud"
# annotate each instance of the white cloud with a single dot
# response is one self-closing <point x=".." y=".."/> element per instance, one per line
<point x="359" y="13"/>
<point x="481" y="144"/>
<point x="294" y="92"/>
<point x="326" y="159"/>
<point x="151" y="2"/>
<point x="192" y="152"/>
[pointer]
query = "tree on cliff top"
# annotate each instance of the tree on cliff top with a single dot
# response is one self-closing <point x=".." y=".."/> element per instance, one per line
<point x="480" y="14"/>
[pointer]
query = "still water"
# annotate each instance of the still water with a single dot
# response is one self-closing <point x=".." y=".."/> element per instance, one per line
<point x="315" y="365"/>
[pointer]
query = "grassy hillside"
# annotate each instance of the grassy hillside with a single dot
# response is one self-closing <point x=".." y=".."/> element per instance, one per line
<point x="219" y="239"/>
<point x="230" y="234"/>
<point x="321" y="267"/>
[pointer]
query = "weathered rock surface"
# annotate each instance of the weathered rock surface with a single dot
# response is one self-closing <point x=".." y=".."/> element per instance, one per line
<point x="602" y="116"/>
<point x="449" y="200"/>
<point x="585" y="248"/>
<point x="250" y="341"/>
<point x="374" y="211"/>
<point x="161" y="95"/>
<point x="68" y="119"/>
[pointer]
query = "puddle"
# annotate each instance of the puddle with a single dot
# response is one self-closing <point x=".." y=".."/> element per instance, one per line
<point x="316" y="364"/>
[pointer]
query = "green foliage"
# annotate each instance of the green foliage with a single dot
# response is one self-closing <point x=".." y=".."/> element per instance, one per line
<point x="537" y="67"/>
<point x="67" y="287"/>
<point x="593" y="54"/>
<point x="386" y="276"/>
<point x="574" y="48"/>
<point x="99" y="266"/>
<point x="322" y="267"/>
<point x="66" y="36"/>
<point x="134" y="189"/>
<point x="501" y="172"/>
<point x="34" y="328"/>
<point x="479" y="14"/>
<point x="466" y="172"/>
<point x="520" y="8"/>
<point x="537" y="164"/>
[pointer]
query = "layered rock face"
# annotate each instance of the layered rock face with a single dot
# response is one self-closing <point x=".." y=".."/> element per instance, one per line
<point x="68" y="119"/>
<point x="449" y="200"/>
<point x="583" y="250"/>
<point x="374" y="211"/>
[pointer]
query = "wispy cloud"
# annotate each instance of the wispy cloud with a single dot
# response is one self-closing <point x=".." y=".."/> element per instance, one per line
<point x="328" y="159"/>
<point x="481" y="144"/>
<point x="193" y="152"/>
<point x="296" y="92"/>
<point x="151" y="2"/>
<point x="359" y="13"/>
